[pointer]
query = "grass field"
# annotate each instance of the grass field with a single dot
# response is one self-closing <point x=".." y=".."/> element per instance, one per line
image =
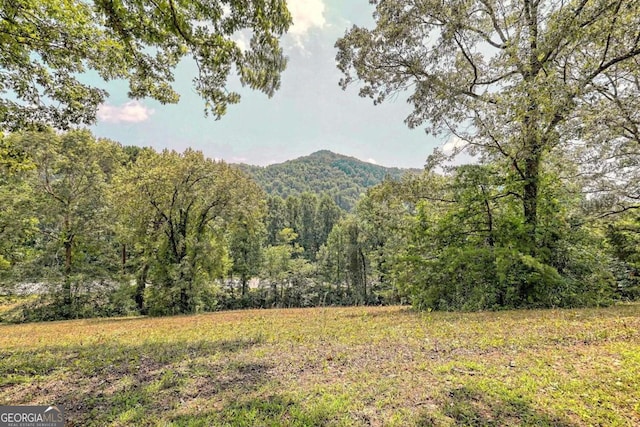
<point x="332" y="366"/>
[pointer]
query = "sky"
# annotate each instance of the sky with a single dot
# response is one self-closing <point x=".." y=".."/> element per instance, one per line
<point x="310" y="112"/>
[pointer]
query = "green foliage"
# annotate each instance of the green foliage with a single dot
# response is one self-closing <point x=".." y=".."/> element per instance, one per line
<point x="623" y="236"/>
<point x="543" y="92"/>
<point x="311" y="217"/>
<point x="61" y="224"/>
<point x="179" y="208"/>
<point x="276" y="219"/>
<point x="246" y="246"/>
<point x="47" y="44"/>
<point x="286" y="272"/>
<point x="458" y="279"/>
<point x="344" y="178"/>
<point x="467" y="250"/>
<point x="99" y="300"/>
<point x="18" y="223"/>
<point x="181" y="233"/>
<point x="345" y="260"/>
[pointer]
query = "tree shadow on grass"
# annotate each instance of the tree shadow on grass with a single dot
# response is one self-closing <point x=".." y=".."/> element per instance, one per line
<point x="273" y="410"/>
<point x="102" y="384"/>
<point x="468" y="407"/>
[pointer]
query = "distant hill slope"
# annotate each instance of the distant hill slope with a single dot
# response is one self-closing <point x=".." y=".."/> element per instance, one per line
<point x="345" y="178"/>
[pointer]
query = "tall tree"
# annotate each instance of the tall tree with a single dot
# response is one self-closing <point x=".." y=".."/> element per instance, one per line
<point x="276" y="219"/>
<point x="68" y="184"/>
<point x="308" y="226"/>
<point x="462" y="250"/>
<point x="344" y="260"/>
<point x="246" y="238"/>
<point x="45" y="45"/>
<point x="186" y="202"/>
<point x="138" y="225"/>
<point x="283" y="268"/>
<point x="328" y="214"/>
<point x="293" y="216"/>
<point x="385" y="217"/>
<point x="18" y="219"/>
<point x="513" y="80"/>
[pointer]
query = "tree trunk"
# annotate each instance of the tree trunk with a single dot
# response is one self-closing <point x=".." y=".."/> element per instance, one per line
<point x="140" y="286"/>
<point x="67" y="271"/>
<point x="187" y="304"/>
<point x="274" y="291"/>
<point x="530" y="200"/>
<point x="530" y="196"/>
<point x="363" y="261"/>
<point x="185" y="281"/>
<point x="531" y="132"/>
<point x="68" y="254"/>
<point x="124" y="258"/>
<point x="490" y="238"/>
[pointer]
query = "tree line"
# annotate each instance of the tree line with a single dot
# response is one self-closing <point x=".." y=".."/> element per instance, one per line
<point x="107" y="229"/>
<point x="546" y="94"/>
<point x="104" y="229"/>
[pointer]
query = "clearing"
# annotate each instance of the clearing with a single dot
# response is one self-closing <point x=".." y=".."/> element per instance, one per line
<point x="332" y="366"/>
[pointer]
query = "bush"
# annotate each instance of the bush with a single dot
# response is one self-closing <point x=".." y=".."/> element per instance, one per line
<point x="472" y="279"/>
<point x="98" y="299"/>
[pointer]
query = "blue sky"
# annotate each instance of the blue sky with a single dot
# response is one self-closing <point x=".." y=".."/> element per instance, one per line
<point x="310" y="112"/>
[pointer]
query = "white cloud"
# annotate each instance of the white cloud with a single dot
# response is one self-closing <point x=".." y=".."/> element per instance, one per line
<point x="129" y="112"/>
<point x="242" y="41"/>
<point x="226" y="10"/>
<point x="458" y="147"/>
<point x="372" y="161"/>
<point x="306" y="14"/>
<point x="452" y="144"/>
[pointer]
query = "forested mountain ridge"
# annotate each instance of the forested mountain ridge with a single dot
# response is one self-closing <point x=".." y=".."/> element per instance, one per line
<point x="344" y="178"/>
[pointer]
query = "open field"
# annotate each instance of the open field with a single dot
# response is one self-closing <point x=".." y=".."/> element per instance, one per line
<point x="332" y="366"/>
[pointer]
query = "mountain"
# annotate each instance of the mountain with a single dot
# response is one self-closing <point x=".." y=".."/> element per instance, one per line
<point x="345" y="178"/>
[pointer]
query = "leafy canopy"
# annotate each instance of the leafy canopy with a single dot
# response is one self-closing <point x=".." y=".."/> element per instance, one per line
<point x="516" y="80"/>
<point x="46" y="46"/>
